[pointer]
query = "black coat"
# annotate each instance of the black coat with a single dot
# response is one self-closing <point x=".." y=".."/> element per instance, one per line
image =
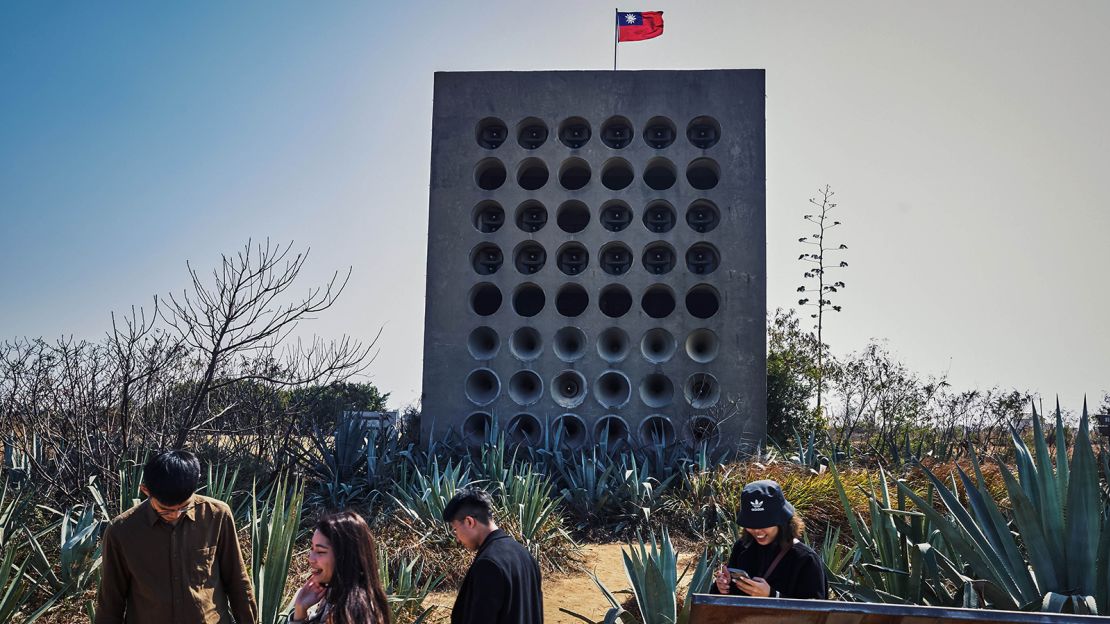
<point x="502" y="586"/>
<point x="800" y="574"/>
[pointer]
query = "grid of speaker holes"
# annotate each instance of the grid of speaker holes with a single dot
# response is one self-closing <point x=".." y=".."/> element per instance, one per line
<point x="612" y="389"/>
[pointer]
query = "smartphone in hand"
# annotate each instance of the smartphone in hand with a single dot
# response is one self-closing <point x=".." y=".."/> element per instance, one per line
<point x="736" y="574"/>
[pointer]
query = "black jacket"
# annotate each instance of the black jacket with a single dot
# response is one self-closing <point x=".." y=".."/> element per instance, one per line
<point x="800" y="574"/>
<point x="502" y="586"/>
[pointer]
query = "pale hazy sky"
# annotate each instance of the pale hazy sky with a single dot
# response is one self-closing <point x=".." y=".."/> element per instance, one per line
<point x="967" y="143"/>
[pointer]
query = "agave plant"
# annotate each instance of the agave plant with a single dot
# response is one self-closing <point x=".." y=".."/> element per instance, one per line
<point x="274" y="528"/>
<point x="526" y="505"/>
<point x="79" y="551"/>
<point x="898" y="557"/>
<point x="421" y="496"/>
<point x="1060" y="521"/>
<point x="406" y="587"/>
<point x="652" y="569"/>
<point x="590" y="490"/>
<point x="222" y="483"/>
<point x="15" y="586"/>
<point x="130" y="475"/>
<point x="13" y="507"/>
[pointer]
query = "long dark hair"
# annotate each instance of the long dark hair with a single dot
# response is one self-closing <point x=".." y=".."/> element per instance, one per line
<point x="355" y="593"/>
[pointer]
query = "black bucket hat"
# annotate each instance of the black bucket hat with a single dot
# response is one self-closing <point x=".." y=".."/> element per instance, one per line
<point x="762" y="505"/>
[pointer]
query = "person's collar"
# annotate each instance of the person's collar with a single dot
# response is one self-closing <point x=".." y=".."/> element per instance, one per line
<point x="495" y="534"/>
<point x="191" y="514"/>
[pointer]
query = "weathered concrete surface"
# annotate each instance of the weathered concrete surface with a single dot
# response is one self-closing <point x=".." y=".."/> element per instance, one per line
<point x="735" y="99"/>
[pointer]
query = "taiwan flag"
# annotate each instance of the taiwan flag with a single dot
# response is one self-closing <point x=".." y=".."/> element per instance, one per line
<point x="639" y="26"/>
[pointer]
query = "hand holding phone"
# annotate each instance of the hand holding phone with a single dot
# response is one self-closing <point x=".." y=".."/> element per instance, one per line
<point x="737" y="574"/>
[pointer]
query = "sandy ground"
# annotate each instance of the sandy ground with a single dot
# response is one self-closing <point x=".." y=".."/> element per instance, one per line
<point x="575" y="591"/>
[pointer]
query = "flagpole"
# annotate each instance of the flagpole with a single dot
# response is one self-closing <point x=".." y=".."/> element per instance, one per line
<point x="616" y="12"/>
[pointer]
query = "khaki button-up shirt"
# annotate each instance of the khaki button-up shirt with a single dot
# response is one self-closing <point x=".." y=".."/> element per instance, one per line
<point x="189" y="572"/>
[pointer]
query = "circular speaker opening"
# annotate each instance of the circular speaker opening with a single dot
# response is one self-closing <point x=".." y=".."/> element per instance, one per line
<point x="703" y="301"/>
<point x="488" y="217"/>
<point x="703" y="216"/>
<point x="659" y="132"/>
<point x="532" y="174"/>
<point x="658" y="301"/>
<point x="615" y="215"/>
<point x="704" y="431"/>
<point x="528" y="300"/>
<point x="531" y="216"/>
<point x="574" y="174"/>
<point x="616" y="132"/>
<point x="702" y="345"/>
<point x="702" y="259"/>
<point x="616" y="174"/>
<point x="656" y="390"/>
<point x="660" y="174"/>
<point x="572" y="258"/>
<point x="703" y="132"/>
<point x="615" y="301"/>
<point x="615" y="258"/>
<point x="568" y="430"/>
<point x="703" y="174"/>
<point x="658" y="345"/>
<point x="611" y="432"/>
<point x="489" y="174"/>
<point x="612" y="389"/>
<point x="702" y="390"/>
<point x="482" y="386"/>
<point x="486" y="259"/>
<point x="568" y="389"/>
<point x="526" y="344"/>
<point x="613" y="345"/>
<point x="659" y="217"/>
<point x="491" y="133"/>
<point x="531" y="133"/>
<point x="659" y="258"/>
<point x="574" y="132"/>
<point x="657" y="431"/>
<point x="573" y="216"/>
<point x="525" y="387"/>
<point x="485" y="299"/>
<point x="483" y="343"/>
<point x="529" y="257"/>
<point x="570" y="344"/>
<point x="525" y="429"/>
<point x="476" y="429"/>
<point x="571" y="300"/>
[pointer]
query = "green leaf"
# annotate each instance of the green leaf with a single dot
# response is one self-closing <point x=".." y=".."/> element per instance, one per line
<point x="1041" y="557"/>
<point x="1084" y="520"/>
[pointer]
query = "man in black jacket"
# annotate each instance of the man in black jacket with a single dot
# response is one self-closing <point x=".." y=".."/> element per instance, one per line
<point x="502" y="586"/>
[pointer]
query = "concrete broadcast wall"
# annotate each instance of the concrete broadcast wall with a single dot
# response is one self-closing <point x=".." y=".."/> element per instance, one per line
<point x="647" y="192"/>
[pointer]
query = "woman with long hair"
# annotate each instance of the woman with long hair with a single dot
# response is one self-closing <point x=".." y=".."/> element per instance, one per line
<point x="344" y="579"/>
<point x="770" y="560"/>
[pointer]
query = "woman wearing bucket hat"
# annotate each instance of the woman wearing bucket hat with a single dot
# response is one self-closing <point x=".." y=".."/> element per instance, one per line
<point x="770" y="560"/>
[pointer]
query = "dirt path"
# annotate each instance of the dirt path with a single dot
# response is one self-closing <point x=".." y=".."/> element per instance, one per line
<point x="575" y="591"/>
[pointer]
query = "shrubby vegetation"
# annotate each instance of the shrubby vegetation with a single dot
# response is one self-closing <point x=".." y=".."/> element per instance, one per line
<point x="913" y="492"/>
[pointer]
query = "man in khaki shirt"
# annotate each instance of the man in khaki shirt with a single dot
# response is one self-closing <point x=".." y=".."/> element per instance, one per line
<point x="174" y="558"/>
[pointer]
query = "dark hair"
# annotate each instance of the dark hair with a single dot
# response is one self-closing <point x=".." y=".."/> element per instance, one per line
<point x="788" y="532"/>
<point x="171" y="477"/>
<point x="469" y="501"/>
<point x="355" y="592"/>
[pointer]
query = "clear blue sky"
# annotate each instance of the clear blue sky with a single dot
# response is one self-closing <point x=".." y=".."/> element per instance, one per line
<point x="967" y="145"/>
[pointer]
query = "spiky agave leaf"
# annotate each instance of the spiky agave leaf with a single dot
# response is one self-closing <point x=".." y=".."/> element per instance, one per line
<point x="1083" y="522"/>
